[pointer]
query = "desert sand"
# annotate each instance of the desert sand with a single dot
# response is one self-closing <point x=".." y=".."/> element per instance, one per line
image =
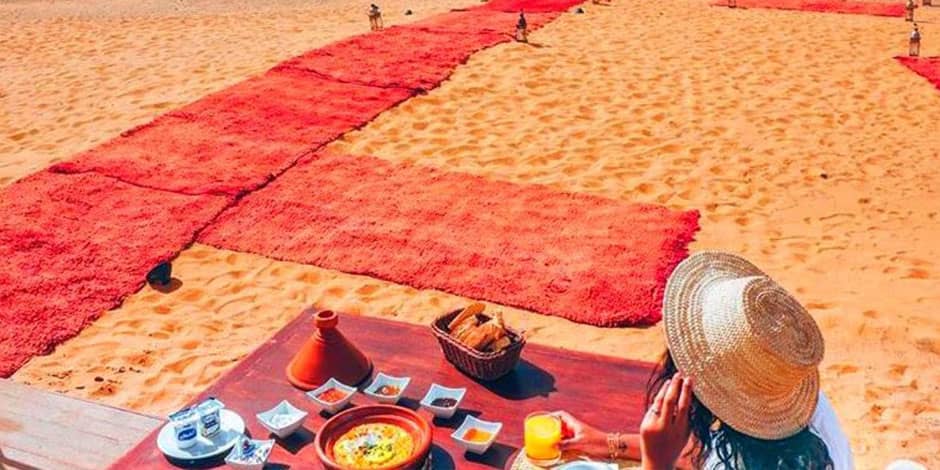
<point x="76" y="73"/>
<point x="805" y="146"/>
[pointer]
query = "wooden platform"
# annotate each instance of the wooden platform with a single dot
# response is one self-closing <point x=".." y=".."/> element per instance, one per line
<point x="42" y="430"/>
<point x="604" y="391"/>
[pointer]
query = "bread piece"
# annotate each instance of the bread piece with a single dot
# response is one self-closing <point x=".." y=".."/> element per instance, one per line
<point x="500" y="344"/>
<point x="484" y="335"/>
<point x="472" y="337"/>
<point x="498" y="318"/>
<point x="471" y="310"/>
<point x="464" y="329"/>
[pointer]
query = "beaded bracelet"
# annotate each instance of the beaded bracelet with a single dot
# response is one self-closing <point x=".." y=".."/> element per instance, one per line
<point x="616" y="446"/>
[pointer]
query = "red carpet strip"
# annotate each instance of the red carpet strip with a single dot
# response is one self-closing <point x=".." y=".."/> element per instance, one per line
<point x="79" y="238"/>
<point x="830" y="6"/>
<point x="530" y="6"/>
<point x="482" y="21"/>
<point x="236" y="140"/>
<point x="73" y="246"/>
<point x="927" y="67"/>
<point x="403" y="57"/>
<point x="585" y="258"/>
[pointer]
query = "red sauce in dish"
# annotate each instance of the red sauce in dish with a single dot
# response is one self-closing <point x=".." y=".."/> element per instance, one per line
<point x="332" y="395"/>
<point x="387" y="390"/>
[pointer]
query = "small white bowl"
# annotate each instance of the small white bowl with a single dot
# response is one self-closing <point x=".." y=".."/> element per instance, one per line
<point x="471" y="422"/>
<point x="436" y="391"/>
<point x="282" y="420"/>
<point x="382" y="380"/>
<point x="332" y="407"/>
<point x="235" y="460"/>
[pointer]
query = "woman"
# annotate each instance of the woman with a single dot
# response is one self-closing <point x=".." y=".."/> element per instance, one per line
<point x="740" y="377"/>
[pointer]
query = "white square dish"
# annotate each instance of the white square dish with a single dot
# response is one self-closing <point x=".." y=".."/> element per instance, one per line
<point x="249" y="454"/>
<point x="382" y="380"/>
<point x="471" y="422"/>
<point x="282" y="420"/>
<point x="437" y="391"/>
<point x="335" y="406"/>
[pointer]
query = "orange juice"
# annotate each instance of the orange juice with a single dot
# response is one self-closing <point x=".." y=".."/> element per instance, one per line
<point x="542" y="439"/>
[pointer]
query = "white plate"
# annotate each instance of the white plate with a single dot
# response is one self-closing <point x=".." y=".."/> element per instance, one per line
<point x="587" y="465"/>
<point x="232" y="427"/>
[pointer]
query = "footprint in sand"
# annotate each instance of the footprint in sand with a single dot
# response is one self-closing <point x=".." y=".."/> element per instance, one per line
<point x="842" y="369"/>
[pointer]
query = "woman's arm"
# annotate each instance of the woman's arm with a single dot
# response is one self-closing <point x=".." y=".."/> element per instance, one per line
<point x="586" y="439"/>
<point x="664" y="433"/>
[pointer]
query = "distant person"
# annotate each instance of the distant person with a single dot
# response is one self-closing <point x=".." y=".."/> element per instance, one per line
<point x="375" y="17"/>
<point x="914" y="49"/>
<point x="522" y="28"/>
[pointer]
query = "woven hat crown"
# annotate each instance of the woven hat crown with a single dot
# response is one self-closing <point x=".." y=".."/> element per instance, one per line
<point x="753" y="324"/>
<point x="750" y="347"/>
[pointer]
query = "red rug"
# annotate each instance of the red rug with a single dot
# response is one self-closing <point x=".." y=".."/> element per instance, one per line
<point x="830" y="6"/>
<point x="73" y="246"/>
<point x="403" y="57"/>
<point x="585" y="258"/>
<point x="530" y="6"/>
<point x="479" y="21"/>
<point x="235" y="140"/>
<point x="927" y="67"/>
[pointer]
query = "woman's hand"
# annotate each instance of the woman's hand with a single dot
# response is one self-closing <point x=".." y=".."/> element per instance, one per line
<point x="581" y="437"/>
<point x="665" y="429"/>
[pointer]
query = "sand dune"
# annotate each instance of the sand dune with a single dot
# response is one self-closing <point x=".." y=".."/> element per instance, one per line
<point x="805" y="145"/>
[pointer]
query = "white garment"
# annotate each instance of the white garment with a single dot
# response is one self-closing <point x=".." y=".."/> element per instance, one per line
<point x="825" y="425"/>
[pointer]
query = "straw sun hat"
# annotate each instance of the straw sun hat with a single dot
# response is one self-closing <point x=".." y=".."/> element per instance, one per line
<point x="751" y="349"/>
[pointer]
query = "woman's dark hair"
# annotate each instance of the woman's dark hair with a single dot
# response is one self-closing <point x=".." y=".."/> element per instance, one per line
<point x="735" y="450"/>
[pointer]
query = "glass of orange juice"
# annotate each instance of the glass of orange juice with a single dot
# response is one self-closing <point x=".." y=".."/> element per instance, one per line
<point x="542" y="438"/>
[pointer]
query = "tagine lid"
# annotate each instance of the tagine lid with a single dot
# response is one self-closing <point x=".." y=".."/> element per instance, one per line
<point x="328" y="354"/>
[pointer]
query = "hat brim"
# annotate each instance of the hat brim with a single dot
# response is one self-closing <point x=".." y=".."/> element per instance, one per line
<point x="767" y="417"/>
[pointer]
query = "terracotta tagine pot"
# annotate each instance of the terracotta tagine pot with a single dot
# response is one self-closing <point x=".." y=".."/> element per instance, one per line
<point x="418" y="427"/>
<point x="328" y="354"/>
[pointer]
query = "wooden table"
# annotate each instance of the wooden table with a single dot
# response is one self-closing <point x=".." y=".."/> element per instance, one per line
<point x="604" y="391"/>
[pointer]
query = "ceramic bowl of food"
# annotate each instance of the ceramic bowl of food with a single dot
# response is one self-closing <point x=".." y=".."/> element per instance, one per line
<point x="282" y="420"/>
<point x="332" y="396"/>
<point x="387" y="389"/>
<point x="443" y="401"/>
<point x="475" y="435"/>
<point x="377" y="437"/>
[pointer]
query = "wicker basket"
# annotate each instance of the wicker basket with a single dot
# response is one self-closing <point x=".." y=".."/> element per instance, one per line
<point x="480" y="365"/>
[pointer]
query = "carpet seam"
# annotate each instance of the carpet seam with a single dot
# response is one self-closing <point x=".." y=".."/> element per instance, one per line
<point x="327" y="77"/>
